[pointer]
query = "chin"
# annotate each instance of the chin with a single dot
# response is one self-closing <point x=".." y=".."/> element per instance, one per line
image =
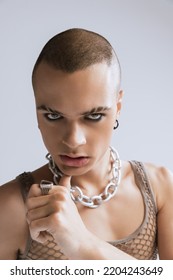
<point x="73" y="171"/>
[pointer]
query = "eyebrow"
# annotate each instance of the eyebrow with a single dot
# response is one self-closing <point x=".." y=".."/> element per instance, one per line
<point x="92" y="111"/>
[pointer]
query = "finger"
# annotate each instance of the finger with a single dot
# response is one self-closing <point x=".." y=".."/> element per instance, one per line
<point x="34" y="191"/>
<point x="35" y="198"/>
<point x="38" y="213"/>
<point x="65" y="181"/>
<point x="36" y="202"/>
<point x="39" y="230"/>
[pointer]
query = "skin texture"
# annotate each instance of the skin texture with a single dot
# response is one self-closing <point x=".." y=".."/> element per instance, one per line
<point x="72" y="95"/>
<point x="82" y="232"/>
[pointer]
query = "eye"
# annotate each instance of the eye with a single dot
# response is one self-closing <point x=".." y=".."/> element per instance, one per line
<point x="52" y="116"/>
<point x="95" y="117"/>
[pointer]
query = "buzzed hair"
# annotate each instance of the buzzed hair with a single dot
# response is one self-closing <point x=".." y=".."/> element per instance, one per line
<point x="76" y="49"/>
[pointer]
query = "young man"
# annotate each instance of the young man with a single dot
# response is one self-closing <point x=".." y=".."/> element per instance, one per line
<point x="90" y="204"/>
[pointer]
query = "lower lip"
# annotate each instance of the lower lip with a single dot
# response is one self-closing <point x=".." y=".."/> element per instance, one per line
<point x="75" y="162"/>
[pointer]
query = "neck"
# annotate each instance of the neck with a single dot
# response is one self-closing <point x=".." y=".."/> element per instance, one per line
<point x="109" y="180"/>
<point x="95" y="180"/>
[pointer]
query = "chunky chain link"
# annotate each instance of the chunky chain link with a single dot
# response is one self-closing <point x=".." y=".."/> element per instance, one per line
<point x="96" y="200"/>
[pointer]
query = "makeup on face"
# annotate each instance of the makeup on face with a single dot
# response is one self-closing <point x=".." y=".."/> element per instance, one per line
<point x="76" y="114"/>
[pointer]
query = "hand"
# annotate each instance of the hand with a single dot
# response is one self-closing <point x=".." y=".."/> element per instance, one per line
<point x="57" y="215"/>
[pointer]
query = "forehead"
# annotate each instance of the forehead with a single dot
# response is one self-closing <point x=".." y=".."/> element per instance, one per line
<point x="91" y="87"/>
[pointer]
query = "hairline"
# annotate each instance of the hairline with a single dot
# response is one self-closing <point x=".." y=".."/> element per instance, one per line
<point x="109" y="65"/>
<point x="106" y="54"/>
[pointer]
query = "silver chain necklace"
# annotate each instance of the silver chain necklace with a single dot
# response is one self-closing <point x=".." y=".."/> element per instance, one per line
<point x="96" y="200"/>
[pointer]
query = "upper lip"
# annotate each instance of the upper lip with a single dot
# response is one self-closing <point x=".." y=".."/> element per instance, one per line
<point x="73" y="155"/>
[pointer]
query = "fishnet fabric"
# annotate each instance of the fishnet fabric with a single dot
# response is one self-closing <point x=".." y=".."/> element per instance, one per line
<point x="46" y="251"/>
<point x="141" y="244"/>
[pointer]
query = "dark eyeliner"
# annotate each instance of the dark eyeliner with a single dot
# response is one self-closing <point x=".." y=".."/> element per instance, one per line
<point x="51" y="120"/>
<point x="95" y="120"/>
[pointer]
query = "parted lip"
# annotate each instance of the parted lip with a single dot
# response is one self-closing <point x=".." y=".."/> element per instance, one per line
<point x="74" y="160"/>
<point x="73" y="156"/>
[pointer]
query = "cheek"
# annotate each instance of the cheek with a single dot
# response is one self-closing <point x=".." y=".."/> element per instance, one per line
<point x="102" y="134"/>
<point x="98" y="134"/>
<point x="100" y="140"/>
<point x="47" y="139"/>
<point x="48" y="132"/>
<point x="46" y="128"/>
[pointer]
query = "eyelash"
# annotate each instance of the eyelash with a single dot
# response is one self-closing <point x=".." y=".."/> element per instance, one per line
<point x="51" y="119"/>
<point x="97" y="119"/>
<point x="58" y="117"/>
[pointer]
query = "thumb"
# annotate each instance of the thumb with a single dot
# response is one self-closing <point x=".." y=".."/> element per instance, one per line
<point x="65" y="181"/>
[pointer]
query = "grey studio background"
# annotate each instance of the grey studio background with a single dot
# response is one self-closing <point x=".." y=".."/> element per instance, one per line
<point x="141" y="32"/>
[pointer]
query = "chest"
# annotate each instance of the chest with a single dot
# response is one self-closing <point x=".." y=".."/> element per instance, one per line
<point x="117" y="218"/>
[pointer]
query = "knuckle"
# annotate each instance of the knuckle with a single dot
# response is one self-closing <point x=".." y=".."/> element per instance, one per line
<point x="33" y="187"/>
<point x="55" y="219"/>
<point x="34" y="190"/>
<point x="57" y="206"/>
<point x="59" y="195"/>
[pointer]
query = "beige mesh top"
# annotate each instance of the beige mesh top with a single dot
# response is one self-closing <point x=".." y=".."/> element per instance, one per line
<point x="141" y="244"/>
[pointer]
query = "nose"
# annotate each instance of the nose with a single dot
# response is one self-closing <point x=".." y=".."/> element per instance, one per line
<point x="74" y="136"/>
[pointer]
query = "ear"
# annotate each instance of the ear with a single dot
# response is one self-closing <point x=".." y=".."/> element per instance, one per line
<point x="119" y="102"/>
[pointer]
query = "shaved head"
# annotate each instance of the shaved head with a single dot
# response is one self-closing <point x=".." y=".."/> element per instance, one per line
<point x="76" y="49"/>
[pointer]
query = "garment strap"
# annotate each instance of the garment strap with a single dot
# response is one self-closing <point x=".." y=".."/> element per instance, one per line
<point x="141" y="244"/>
<point x="142" y="181"/>
<point x="26" y="180"/>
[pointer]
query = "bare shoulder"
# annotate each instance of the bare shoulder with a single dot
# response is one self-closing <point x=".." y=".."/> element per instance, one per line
<point x="161" y="180"/>
<point x="12" y="220"/>
<point x="13" y="225"/>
